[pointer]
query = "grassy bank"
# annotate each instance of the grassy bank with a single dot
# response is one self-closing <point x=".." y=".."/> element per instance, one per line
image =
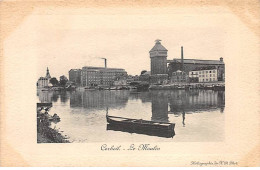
<point x="46" y="134"/>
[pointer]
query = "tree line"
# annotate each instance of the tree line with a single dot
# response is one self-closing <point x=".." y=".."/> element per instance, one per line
<point x="62" y="82"/>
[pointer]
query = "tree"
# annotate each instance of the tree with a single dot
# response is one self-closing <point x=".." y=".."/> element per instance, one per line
<point x="142" y="72"/>
<point x="63" y="80"/>
<point x="54" y="81"/>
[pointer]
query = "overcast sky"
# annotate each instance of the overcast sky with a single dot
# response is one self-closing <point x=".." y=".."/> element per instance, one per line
<point x="69" y="38"/>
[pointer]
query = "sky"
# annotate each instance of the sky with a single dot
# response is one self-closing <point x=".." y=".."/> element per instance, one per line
<point x="68" y="38"/>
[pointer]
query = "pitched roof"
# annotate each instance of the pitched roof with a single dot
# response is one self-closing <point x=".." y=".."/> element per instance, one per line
<point x="204" y="68"/>
<point x="195" y="61"/>
<point x="158" y="47"/>
<point x="102" y="68"/>
<point x="74" y="69"/>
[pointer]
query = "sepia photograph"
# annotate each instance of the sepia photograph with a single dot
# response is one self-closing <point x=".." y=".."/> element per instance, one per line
<point x="177" y="98"/>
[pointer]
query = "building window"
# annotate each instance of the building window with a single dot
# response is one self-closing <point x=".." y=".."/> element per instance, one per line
<point x="209" y="71"/>
<point x="206" y="71"/>
<point x="213" y="71"/>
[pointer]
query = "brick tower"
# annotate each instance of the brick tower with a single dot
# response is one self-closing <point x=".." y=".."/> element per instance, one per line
<point x="158" y="55"/>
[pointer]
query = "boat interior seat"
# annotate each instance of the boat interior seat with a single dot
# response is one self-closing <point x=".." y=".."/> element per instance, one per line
<point x="164" y="124"/>
<point x="120" y="119"/>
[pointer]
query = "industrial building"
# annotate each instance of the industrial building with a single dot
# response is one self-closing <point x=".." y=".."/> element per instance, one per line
<point x="188" y="65"/>
<point x="100" y="76"/>
<point x="161" y="73"/>
<point x="75" y="76"/>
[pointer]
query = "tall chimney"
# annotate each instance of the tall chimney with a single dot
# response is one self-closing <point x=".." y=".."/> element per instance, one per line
<point x="105" y="63"/>
<point x="182" y="66"/>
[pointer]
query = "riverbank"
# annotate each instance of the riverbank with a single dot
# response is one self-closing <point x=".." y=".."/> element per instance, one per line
<point x="190" y="86"/>
<point x="46" y="134"/>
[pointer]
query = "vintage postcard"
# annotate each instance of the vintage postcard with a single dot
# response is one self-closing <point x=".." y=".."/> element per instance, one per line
<point x="130" y="83"/>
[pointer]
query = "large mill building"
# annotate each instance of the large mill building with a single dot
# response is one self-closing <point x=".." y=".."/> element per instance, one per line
<point x="162" y="69"/>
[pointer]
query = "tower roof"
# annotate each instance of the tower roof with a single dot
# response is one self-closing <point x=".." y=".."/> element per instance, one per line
<point x="48" y="73"/>
<point x="158" y="46"/>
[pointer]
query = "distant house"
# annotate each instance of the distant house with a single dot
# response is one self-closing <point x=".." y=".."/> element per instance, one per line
<point x="178" y="76"/>
<point x="44" y="81"/>
<point x="204" y="74"/>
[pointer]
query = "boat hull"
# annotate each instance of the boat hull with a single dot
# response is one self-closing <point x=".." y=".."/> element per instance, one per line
<point x="154" y="132"/>
<point x="141" y="126"/>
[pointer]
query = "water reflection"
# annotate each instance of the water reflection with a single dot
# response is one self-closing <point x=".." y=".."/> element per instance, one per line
<point x="48" y="96"/>
<point x="99" y="99"/>
<point x="195" y="101"/>
<point x="161" y="106"/>
<point x="178" y="102"/>
<point x="64" y="96"/>
<point x="183" y="119"/>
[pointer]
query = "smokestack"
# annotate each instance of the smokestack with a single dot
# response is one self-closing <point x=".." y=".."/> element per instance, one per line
<point x="182" y="66"/>
<point x="105" y="63"/>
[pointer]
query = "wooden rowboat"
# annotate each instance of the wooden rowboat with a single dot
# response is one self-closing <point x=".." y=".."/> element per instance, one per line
<point x="159" y="133"/>
<point x="139" y="124"/>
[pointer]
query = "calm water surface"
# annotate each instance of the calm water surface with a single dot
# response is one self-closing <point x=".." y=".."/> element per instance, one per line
<point x="198" y="114"/>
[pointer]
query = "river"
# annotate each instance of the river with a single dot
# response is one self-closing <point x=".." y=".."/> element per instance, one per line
<point x="198" y="114"/>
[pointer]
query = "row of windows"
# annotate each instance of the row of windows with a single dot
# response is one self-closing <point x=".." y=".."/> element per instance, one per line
<point x="210" y="79"/>
<point x="99" y="81"/>
<point x="104" y="78"/>
<point x="105" y="73"/>
<point x="203" y="75"/>
<point x="98" y="75"/>
<point x="201" y="72"/>
<point x="211" y="75"/>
